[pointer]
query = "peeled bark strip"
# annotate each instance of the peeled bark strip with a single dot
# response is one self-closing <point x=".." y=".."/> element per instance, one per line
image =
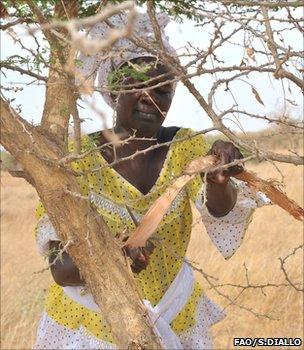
<point x="156" y="212"/>
<point x="93" y="248"/>
<point x="159" y="208"/>
<point x="273" y="193"/>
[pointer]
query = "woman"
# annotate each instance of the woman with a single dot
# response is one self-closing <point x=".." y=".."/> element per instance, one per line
<point x="182" y="313"/>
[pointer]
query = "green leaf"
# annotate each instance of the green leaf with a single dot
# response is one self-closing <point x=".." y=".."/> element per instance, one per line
<point x="134" y="71"/>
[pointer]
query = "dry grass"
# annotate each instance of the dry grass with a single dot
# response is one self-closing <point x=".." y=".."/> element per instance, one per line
<point x="272" y="234"/>
<point x="22" y="292"/>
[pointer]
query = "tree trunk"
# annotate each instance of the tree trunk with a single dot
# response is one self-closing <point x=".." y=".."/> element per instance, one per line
<point x="92" y="247"/>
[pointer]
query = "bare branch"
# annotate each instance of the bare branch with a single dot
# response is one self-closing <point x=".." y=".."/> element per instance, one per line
<point x="280" y="71"/>
<point x="143" y="151"/>
<point x="284" y="121"/>
<point x="268" y="4"/>
<point x="90" y="46"/>
<point x="283" y="261"/>
<point x="14" y="23"/>
<point x="23" y="71"/>
<point x="40" y="18"/>
<point x="157" y="32"/>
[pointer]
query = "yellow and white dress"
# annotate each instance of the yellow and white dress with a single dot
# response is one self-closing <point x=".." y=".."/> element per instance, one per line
<point x="177" y="304"/>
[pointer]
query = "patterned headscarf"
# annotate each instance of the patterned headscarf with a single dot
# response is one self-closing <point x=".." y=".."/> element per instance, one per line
<point x="123" y="50"/>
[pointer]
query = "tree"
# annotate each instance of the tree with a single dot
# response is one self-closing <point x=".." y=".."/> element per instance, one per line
<point x="42" y="150"/>
<point x="44" y="147"/>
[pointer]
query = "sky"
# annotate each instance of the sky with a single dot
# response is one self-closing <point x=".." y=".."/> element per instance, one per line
<point x="185" y="110"/>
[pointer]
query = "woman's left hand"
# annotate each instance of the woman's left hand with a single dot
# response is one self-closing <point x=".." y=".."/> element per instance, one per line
<point x="226" y="153"/>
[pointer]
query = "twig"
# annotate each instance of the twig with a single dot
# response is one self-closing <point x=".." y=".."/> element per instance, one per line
<point x="144" y="151"/>
<point x="209" y="279"/>
<point x="267" y="4"/>
<point x="58" y="257"/>
<point x="282" y="262"/>
<point x="23" y="71"/>
<point x="15" y="22"/>
<point x="91" y="46"/>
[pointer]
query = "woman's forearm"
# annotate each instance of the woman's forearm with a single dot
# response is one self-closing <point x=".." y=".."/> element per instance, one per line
<point x="221" y="198"/>
<point x="63" y="269"/>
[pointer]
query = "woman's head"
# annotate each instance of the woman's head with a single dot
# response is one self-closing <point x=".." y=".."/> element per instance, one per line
<point x="124" y="50"/>
<point x="147" y="89"/>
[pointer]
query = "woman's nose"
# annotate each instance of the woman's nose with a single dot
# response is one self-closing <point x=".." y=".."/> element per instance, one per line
<point x="147" y="97"/>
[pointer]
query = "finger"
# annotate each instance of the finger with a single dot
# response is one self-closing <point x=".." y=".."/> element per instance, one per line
<point x="134" y="253"/>
<point x="145" y="253"/>
<point x="140" y="264"/>
<point x="149" y="247"/>
<point x="238" y="168"/>
<point x="218" y="178"/>
<point x="137" y="266"/>
<point x="238" y="154"/>
<point x="141" y="256"/>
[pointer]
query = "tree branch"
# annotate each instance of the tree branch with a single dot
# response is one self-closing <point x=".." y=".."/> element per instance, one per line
<point x="280" y="71"/>
<point x="15" y="22"/>
<point x="23" y="71"/>
<point x="269" y="4"/>
<point x="282" y="263"/>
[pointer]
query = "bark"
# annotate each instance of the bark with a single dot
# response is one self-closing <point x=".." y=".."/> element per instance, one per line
<point x="60" y="97"/>
<point x="92" y="247"/>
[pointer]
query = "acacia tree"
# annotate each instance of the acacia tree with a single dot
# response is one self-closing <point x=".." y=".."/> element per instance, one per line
<point x="42" y="150"/>
<point x="39" y="150"/>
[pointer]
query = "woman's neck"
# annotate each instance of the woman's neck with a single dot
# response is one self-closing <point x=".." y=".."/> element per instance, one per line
<point x="134" y="142"/>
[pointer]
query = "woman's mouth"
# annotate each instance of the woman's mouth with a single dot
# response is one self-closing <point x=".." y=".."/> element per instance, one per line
<point x="147" y="116"/>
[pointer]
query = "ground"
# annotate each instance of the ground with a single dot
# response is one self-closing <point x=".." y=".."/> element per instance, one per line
<point x="271" y="235"/>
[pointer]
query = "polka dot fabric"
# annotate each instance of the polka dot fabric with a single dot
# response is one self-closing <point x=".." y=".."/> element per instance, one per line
<point x="227" y="232"/>
<point x="52" y="335"/>
<point x="72" y="315"/>
<point x="198" y="336"/>
<point x="171" y="239"/>
<point x="46" y="234"/>
<point x="109" y="192"/>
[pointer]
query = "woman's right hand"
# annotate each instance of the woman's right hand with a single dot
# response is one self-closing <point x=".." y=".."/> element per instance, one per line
<point x="66" y="273"/>
<point x="140" y="256"/>
<point x="63" y="269"/>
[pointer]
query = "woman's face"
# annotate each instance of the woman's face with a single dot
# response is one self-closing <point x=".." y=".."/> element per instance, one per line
<point x="144" y="111"/>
